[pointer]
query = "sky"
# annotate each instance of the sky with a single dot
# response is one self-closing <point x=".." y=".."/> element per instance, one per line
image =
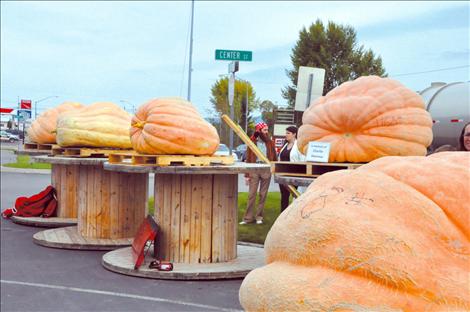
<point x="128" y="52"/>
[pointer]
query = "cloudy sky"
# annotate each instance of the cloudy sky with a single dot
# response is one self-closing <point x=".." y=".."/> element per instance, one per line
<point x="129" y="52"/>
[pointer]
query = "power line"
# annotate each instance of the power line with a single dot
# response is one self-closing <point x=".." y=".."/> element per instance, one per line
<point x="430" y="71"/>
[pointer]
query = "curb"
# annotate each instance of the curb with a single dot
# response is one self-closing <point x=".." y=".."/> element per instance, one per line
<point x="19" y="170"/>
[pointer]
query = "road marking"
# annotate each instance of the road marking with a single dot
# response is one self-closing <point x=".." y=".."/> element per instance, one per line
<point x="116" y="294"/>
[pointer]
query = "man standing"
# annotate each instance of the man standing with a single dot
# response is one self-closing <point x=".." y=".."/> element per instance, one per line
<point x="265" y="144"/>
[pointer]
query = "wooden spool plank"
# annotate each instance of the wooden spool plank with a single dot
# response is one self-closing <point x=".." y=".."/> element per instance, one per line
<point x="166" y="215"/>
<point x="196" y="207"/>
<point x="114" y="203"/>
<point x="105" y="216"/>
<point x="217" y="219"/>
<point x="206" y="218"/>
<point x="175" y="218"/>
<point x="98" y="194"/>
<point x="82" y="199"/>
<point x="185" y="217"/>
<point x="233" y="218"/>
<point x="63" y="185"/>
<point x="90" y="207"/>
<point x="158" y="212"/>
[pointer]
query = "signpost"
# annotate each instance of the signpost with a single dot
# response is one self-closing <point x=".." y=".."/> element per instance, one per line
<point x="235" y="56"/>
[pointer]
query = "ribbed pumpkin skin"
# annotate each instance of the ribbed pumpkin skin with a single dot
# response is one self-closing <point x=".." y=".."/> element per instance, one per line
<point x="392" y="235"/>
<point x="43" y="129"/>
<point x="368" y="118"/>
<point x="172" y="126"/>
<point x="101" y="124"/>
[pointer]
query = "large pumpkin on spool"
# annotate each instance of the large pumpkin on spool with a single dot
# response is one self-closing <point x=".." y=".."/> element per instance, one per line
<point x="43" y="128"/>
<point x="392" y="235"/>
<point x="101" y="124"/>
<point x="368" y="118"/>
<point x="172" y="126"/>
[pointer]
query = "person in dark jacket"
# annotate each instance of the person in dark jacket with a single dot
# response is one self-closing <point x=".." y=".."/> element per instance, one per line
<point x="263" y="141"/>
<point x="289" y="152"/>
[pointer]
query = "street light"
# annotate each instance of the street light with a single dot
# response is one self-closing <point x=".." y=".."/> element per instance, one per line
<point x="126" y="101"/>
<point x="36" y="103"/>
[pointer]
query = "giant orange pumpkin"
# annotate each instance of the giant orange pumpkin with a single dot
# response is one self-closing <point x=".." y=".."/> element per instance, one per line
<point x="43" y="128"/>
<point x="172" y="126"/>
<point x="392" y="235"/>
<point x="368" y="118"/>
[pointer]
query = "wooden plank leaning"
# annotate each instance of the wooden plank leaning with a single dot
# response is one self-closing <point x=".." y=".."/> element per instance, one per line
<point x="244" y="137"/>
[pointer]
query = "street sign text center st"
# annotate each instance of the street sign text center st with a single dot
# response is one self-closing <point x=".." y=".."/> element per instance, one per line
<point x="233" y="55"/>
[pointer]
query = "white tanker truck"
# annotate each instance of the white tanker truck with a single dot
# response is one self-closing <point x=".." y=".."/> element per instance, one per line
<point x="449" y="106"/>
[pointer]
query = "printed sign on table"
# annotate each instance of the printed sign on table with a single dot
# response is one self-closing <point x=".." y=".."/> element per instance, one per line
<point x="318" y="152"/>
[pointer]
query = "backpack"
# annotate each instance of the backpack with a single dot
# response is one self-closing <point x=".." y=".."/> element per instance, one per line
<point x="43" y="204"/>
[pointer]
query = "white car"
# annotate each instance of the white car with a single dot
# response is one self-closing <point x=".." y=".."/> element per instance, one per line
<point x="8" y="137"/>
<point x="223" y="150"/>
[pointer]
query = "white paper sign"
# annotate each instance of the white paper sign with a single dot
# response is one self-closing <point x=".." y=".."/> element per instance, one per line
<point x="318" y="151"/>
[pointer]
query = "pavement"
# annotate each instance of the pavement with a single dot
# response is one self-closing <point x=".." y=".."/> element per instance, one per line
<point x="36" y="278"/>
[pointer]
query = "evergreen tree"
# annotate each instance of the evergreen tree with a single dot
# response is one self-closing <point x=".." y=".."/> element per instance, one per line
<point x="335" y="49"/>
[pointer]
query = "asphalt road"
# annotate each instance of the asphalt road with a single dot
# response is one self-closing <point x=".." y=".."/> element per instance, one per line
<point x="36" y="278"/>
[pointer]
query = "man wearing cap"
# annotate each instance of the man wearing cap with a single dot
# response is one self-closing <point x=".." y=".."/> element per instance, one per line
<point x="266" y="145"/>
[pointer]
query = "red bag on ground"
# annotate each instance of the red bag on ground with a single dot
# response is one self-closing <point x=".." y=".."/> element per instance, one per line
<point x="42" y="204"/>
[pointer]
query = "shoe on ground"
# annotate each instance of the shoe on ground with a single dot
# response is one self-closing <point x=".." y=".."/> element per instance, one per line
<point x="243" y="223"/>
<point x="259" y="221"/>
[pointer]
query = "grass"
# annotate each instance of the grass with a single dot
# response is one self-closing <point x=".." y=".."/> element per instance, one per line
<point x="24" y="162"/>
<point x="252" y="233"/>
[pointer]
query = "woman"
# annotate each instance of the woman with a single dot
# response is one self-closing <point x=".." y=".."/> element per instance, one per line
<point x="464" y="139"/>
<point x="289" y="152"/>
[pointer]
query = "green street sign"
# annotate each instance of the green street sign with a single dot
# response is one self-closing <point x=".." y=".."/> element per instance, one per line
<point x="233" y="55"/>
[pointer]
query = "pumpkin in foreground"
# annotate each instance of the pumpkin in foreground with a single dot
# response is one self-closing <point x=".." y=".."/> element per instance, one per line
<point x="101" y="124"/>
<point x="368" y="118"/>
<point x="392" y="235"/>
<point x="43" y="128"/>
<point x="172" y="126"/>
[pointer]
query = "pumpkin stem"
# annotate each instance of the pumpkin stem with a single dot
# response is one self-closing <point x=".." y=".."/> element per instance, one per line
<point x="139" y="124"/>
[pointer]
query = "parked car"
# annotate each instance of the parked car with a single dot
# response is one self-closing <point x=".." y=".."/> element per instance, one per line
<point x="16" y="132"/>
<point x="223" y="150"/>
<point x="7" y="137"/>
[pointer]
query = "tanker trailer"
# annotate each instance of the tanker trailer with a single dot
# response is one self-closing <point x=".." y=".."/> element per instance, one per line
<point x="449" y="106"/>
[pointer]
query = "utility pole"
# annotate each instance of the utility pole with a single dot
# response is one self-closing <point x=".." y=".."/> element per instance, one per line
<point x="232" y="69"/>
<point x="191" y="51"/>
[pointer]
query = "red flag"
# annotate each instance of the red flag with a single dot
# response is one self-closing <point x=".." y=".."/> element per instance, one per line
<point x="25" y="104"/>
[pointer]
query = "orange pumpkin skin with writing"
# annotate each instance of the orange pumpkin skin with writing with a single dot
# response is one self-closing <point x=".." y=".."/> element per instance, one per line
<point x="392" y="235"/>
<point x="368" y="118"/>
<point x="172" y="126"/>
<point x="43" y="129"/>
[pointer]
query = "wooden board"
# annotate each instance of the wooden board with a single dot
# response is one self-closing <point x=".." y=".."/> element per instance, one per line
<point x="69" y="238"/>
<point x="168" y="160"/>
<point x="249" y="258"/>
<point x="197" y="216"/>
<point x="38" y="146"/>
<point x="308" y="169"/>
<point x="84" y="151"/>
<point x="65" y="180"/>
<point x="52" y="222"/>
<point x="111" y="204"/>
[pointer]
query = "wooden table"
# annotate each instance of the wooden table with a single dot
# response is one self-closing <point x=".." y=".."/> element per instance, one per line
<point x="196" y="211"/>
<point x="109" y="206"/>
